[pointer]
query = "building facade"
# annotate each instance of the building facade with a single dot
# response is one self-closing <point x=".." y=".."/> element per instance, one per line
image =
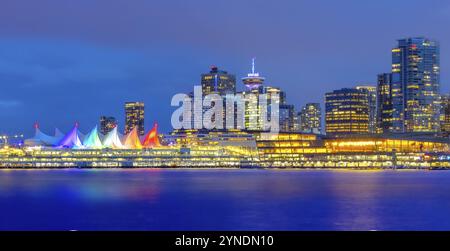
<point x="384" y="103"/>
<point x="254" y="86"/>
<point x="445" y="114"/>
<point x="222" y="83"/>
<point x="372" y="101"/>
<point x="297" y="122"/>
<point x="310" y="118"/>
<point x="286" y="118"/>
<point x="107" y="124"/>
<point x="134" y="117"/>
<point x="218" y="81"/>
<point x="347" y="112"/>
<point x="415" y="85"/>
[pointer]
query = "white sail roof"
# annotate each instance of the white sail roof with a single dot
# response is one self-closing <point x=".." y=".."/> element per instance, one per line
<point x="112" y="140"/>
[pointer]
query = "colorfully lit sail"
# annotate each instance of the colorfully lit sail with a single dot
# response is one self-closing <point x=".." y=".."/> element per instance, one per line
<point x="132" y="140"/>
<point x="71" y="140"/>
<point x="42" y="139"/>
<point x="58" y="133"/>
<point x="112" y="140"/>
<point x="92" y="140"/>
<point x="151" y="139"/>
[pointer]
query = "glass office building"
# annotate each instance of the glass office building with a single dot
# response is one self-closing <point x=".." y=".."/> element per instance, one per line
<point x="415" y="85"/>
<point x="372" y="101"/>
<point x="310" y="118"/>
<point x="445" y="114"/>
<point x="134" y="117"/>
<point x="384" y="103"/>
<point x="347" y="112"/>
<point x="286" y="118"/>
<point x="218" y="81"/>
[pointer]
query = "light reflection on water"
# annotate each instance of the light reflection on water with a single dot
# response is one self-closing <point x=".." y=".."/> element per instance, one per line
<point x="157" y="199"/>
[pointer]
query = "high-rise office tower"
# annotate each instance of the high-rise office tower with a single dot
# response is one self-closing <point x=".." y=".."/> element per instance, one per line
<point x="297" y="121"/>
<point x="372" y="99"/>
<point x="311" y="118"/>
<point x="384" y="103"/>
<point x="222" y="83"/>
<point x="107" y="124"/>
<point x="270" y="91"/>
<point x="218" y="81"/>
<point x="415" y="85"/>
<point x="286" y="118"/>
<point x="253" y="109"/>
<point x="347" y="111"/>
<point x="134" y="117"/>
<point x="445" y="114"/>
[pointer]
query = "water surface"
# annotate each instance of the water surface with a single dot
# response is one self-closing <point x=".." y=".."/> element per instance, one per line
<point x="213" y="199"/>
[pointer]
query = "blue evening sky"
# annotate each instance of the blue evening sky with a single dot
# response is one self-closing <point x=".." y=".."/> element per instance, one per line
<point x="63" y="61"/>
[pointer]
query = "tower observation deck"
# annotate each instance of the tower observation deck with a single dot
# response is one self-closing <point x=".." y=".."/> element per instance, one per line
<point x="253" y="79"/>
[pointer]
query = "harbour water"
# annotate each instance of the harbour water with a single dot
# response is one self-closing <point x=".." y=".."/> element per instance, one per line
<point x="219" y="199"/>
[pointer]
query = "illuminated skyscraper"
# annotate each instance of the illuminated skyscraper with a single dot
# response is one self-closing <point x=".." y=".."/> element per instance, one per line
<point x="218" y="81"/>
<point x="134" y="117"/>
<point x="297" y="122"/>
<point x="445" y="114"/>
<point x="310" y="118"/>
<point x="384" y="103"/>
<point x="252" y="110"/>
<point x="415" y="85"/>
<point x="286" y="118"/>
<point x="222" y="83"/>
<point x="107" y="124"/>
<point x="372" y="100"/>
<point x="347" y="111"/>
<point x="270" y="91"/>
<point x="253" y="83"/>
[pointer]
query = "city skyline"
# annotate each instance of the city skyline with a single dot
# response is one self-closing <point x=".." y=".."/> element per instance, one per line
<point x="214" y="82"/>
<point x="129" y="68"/>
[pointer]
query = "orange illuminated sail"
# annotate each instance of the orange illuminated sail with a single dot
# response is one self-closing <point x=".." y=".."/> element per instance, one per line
<point x="152" y="139"/>
<point x="132" y="140"/>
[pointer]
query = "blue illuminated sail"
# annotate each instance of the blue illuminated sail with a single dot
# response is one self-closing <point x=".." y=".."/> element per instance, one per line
<point x="71" y="140"/>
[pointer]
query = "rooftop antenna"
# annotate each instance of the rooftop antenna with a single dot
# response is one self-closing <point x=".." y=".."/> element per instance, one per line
<point x="253" y="65"/>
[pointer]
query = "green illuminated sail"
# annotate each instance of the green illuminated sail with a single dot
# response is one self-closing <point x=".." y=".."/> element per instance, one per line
<point x="92" y="140"/>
